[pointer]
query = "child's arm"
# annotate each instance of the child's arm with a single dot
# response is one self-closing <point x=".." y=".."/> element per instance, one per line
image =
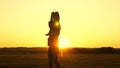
<point x="49" y="24"/>
<point x="48" y="33"/>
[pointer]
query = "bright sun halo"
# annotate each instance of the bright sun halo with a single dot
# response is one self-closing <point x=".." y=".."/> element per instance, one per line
<point x="64" y="43"/>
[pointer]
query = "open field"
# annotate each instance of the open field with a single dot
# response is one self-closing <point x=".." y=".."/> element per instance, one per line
<point x="67" y="60"/>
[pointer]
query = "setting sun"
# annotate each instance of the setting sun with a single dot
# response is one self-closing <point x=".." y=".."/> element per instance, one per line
<point x="64" y="43"/>
<point x="85" y="23"/>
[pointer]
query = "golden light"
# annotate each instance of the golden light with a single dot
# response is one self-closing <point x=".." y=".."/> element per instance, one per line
<point x="63" y="43"/>
<point x="56" y="23"/>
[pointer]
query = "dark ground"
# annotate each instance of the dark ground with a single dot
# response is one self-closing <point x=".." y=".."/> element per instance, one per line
<point x="72" y="58"/>
<point x="67" y="61"/>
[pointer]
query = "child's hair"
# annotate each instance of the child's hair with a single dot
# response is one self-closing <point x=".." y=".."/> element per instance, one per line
<point x="55" y="16"/>
<point x="52" y="16"/>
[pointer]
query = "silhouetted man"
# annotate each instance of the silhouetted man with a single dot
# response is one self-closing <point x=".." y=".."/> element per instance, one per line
<point x="53" y="34"/>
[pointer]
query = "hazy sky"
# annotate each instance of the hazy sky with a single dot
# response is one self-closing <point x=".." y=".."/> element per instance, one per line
<point x="85" y="23"/>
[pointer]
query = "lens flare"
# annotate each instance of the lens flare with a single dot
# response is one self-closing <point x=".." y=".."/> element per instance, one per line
<point x="56" y="23"/>
<point x="63" y="43"/>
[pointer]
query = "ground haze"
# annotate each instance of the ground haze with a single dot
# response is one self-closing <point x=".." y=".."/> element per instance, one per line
<point x="34" y="59"/>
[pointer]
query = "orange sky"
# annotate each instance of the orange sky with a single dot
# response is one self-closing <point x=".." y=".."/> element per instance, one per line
<point x="85" y="23"/>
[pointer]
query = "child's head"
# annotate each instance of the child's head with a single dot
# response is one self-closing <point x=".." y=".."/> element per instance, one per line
<point x="55" y="16"/>
<point x="52" y="16"/>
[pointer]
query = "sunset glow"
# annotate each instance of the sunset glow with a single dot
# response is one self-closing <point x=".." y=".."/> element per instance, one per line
<point x="87" y="23"/>
<point x="64" y="43"/>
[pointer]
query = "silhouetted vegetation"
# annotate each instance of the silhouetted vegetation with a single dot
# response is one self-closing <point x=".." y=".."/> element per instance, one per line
<point x="102" y="50"/>
<point x="22" y="50"/>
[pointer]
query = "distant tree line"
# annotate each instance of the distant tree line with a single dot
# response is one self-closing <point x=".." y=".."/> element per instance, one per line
<point x="102" y="50"/>
<point x="21" y="50"/>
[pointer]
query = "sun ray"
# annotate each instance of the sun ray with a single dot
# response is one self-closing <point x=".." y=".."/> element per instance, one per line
<point x="63" y="43"/>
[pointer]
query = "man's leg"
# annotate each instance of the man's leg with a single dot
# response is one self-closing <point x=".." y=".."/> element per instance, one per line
<point x="50" y="58"/>
<point x="55" y="58"/>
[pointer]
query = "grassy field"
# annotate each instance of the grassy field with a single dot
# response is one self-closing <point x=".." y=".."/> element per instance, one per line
<point x="66" y="61"/>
